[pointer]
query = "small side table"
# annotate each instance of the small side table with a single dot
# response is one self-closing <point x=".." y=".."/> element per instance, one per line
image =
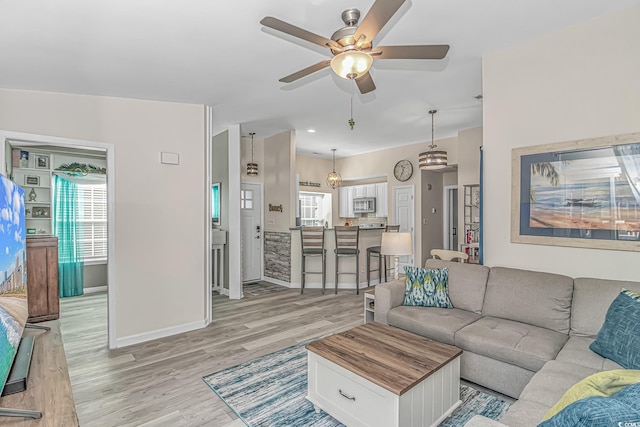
<point x="369" y="304"/>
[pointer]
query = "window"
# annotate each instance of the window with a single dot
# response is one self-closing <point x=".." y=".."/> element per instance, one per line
<point x="315" y="209"/>
<point x="92" y="216"/>
<point x="246" y="199"/>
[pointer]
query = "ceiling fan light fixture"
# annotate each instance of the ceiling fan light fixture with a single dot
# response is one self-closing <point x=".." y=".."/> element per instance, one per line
<point x="351" y="64"/>
<point x="432" y="160"/>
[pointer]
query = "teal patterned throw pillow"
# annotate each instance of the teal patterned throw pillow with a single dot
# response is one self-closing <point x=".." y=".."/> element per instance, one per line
<point x="427" y="287"/>
<point x="619" y="337"/>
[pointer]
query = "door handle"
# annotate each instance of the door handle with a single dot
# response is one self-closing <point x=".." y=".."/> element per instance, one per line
<point x="455" y="231"/>
<point x="258" y="236"/>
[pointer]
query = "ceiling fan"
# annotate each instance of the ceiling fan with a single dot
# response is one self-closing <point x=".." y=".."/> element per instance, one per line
<point x="352" y="46"/>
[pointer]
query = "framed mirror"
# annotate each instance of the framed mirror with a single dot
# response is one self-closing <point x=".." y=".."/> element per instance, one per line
<point x="215" y="203"/>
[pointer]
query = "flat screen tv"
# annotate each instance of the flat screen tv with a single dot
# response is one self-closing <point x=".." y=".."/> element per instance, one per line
<point x="13" y="274"/>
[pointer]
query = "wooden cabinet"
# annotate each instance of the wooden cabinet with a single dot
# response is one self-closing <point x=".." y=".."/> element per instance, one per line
<point x="42" y="278"/>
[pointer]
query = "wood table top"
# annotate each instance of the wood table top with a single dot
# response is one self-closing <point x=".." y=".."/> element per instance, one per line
<point x="390" y="357"/>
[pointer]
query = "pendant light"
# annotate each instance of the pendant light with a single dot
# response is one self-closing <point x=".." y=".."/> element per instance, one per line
<point x="252" y="168"/>
<point x="334" y="179"/>
<point x="432" y="160"/>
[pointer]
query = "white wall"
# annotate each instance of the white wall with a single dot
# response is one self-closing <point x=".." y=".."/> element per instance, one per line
<point x="159" y="221"/>
<point x="279" y="181"/>
<point x="581" y="82"/>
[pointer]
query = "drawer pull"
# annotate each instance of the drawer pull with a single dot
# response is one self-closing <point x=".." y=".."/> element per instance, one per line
<point x="343" y="394"/>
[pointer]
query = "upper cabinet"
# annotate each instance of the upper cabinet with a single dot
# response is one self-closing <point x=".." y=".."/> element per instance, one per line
<point x="382" y="200"/>
<point x="348" y="193"/>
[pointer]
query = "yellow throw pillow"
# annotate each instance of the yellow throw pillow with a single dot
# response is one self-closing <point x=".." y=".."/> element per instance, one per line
<point x="603" y="384"/>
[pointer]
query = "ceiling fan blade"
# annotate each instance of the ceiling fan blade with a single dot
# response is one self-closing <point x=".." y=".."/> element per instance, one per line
<point x="377" y="17"/>
<point x="298" y="32"/>
<point x="365" y="84"/>
<point x="436" y="51"/>
<point x="306" y="71"/>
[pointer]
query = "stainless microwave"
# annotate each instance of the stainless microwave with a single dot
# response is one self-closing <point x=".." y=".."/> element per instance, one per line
<point x="363" y="205"/>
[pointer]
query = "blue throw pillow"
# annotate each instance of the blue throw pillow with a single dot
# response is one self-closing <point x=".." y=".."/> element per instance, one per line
<point x="427" y="287"/>
<point x="621" y="409"/>
<point x="619" y="337"/>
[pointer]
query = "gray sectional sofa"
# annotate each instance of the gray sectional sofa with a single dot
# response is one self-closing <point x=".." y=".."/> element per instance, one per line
<point x="525" y="334"/>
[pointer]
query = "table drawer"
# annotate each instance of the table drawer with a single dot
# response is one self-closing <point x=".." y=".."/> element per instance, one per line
<point x="361" y="399"/>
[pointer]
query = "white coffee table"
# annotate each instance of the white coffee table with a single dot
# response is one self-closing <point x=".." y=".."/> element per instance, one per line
<point x="377" y="375"/>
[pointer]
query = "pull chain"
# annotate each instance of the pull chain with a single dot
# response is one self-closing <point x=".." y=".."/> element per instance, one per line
<point x="352" y="122"/>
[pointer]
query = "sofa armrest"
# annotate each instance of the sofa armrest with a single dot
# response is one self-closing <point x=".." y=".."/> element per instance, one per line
<point x="480" y="421"/>
<point x="388" y="295"/>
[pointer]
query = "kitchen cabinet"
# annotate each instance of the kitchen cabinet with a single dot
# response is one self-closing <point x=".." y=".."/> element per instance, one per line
<point x="345" y="202"/>
<point x="382" y="209"/>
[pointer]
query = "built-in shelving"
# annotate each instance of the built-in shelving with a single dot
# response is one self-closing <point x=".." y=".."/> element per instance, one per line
<point x="471" y="236"/>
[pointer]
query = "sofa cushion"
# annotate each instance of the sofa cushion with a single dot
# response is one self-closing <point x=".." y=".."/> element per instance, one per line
<point x="540" y="299"/>
<point x="602" y="384"/>
<point x="520" y="344"/>
<point x="576" y="350"/>
<point x="426" y="287"/>
<point x="621" y="409"/>
<point x="619" y="337"/>
<point x="591" y="300"/>
<point x="551" y="382"/>
<point x="467" y="283"/>
<point x="439" y="324"/>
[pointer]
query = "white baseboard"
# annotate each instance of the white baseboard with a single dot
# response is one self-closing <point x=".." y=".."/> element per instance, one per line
<point x="278" y="282"/>
<point x="95" y="289"/>
<point x="317" y="285"/>
<point x="159" y="333"/>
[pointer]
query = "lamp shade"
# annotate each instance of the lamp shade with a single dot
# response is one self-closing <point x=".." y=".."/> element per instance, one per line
<point x="398" y="244"/>
<point x="432" y="160"/>
<point x="351" y="64"/>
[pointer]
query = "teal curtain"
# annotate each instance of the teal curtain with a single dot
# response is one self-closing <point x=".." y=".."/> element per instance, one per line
<point x="69" y="232"/>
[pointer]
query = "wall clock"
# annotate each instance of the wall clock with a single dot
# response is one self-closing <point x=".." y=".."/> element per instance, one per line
<point x="403" y="170"/>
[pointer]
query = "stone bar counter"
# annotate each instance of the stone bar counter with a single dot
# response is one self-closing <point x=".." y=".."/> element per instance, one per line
<point x="368" y="237"/>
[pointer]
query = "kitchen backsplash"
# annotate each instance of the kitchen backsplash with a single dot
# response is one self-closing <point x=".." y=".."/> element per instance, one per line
<point x="363" y="220"/>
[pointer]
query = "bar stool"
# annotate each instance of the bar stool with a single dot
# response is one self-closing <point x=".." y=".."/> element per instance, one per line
<point x="347" y="239"/>
<point x="312" y="244"/>
<point x="382" y="260"/>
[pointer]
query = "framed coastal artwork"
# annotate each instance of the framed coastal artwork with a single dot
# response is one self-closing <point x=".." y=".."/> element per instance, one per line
<point x="582" y="193"/>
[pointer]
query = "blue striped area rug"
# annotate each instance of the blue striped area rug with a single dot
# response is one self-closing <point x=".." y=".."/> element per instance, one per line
<point x="270" y="391"/>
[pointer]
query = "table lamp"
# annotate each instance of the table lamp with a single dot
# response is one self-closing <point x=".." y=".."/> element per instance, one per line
<point x="396" y="245"/>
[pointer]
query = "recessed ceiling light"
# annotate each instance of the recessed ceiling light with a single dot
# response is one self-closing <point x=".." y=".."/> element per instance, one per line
<point x="311" y="130"/>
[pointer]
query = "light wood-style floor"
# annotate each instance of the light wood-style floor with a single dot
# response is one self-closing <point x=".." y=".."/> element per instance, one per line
<point x="159" y="383"/>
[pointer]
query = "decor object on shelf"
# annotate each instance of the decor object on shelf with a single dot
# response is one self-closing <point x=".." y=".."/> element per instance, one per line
<point x="252" y="168"/>
<point x="41" y="212"/>
<point x="396" y="245"/>
<point x="352" y="47"/>
<point x="432" y="159"/>
<point x="32" y="180"/>
<point x="41" y="161"/>
<point x="309" y="184"/>
<point x="583" y="193"/>
<point x="32" y="195"/>
<point x="24" y="159"/>
<point x="334" y="179"/>
<point x="80" y="169"/>
<point x="403" y="170"/>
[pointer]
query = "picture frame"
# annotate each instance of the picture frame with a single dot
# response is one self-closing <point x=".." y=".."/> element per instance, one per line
<point x="583" y="193"/>
<point x="216" y="190"/>
<point x="41" y="161"/>
<point x="32" y="180"/>
<point x="41" y="212"/>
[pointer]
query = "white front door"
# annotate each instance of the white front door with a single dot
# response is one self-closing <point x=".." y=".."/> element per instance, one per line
<point x="403" y="214"/>
<point x="251" y="221"/>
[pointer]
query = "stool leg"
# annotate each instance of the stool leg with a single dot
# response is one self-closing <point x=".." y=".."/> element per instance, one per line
<point x="357" y="274"/>
<point x="380" y="257"/>
<point x="324" y="269"/>
<point x="302" y="276"/>
<point x="368" y="269"/>
<point x="336" y="274"/>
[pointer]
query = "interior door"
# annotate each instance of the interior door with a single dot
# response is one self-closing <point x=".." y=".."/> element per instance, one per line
<point x="251" y="223"/>
<point x="403" y="212"/>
